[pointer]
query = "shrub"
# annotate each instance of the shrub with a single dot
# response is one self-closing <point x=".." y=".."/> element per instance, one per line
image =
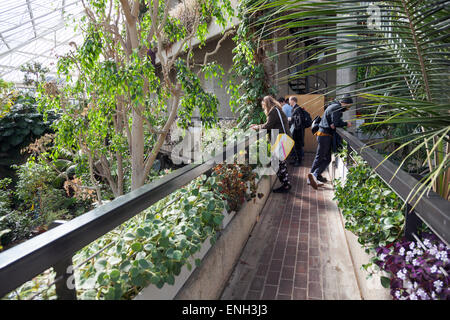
<point x="372" y="211"/>
<point x="235" y="183"/>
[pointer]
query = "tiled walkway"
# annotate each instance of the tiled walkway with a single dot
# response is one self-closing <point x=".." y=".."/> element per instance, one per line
<point x="297" y="249"/>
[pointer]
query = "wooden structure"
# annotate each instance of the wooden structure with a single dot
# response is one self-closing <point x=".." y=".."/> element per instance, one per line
<point x="313" y="103"/>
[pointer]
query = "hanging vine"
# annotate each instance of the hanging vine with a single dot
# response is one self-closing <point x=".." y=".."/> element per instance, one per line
<point x="249" y="81"/>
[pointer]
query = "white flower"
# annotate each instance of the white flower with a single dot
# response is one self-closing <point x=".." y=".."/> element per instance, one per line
<point x="421" y="293"/>
<point x="433" y="269"/>
<point x="413" y="296"/>
<point x="427" y="243"/>
<point x="418" y="252"/>
<point x="382" y="256"/>
<point x="397" y="294"/>
<point x="408" y="284"/>
<point x="401" y="275"/>
<point x="412" y="245"/>
<point x="401" y="251"/>
<point x="442" y="256"/>
<point x="415" y="262"/>
<point x="409" y="256"/>
<point x="438" y="285"/>
<point x="433" y="251"/>
<point x="433" y="295"/>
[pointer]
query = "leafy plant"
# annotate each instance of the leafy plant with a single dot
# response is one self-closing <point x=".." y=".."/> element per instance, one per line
<point x="22" y="124"/>
<point x="7" y="97"/>
<point x="150" y="248"/>
<point x="34" y="73"/>
<point x="249" y="81"/>
<point x="236" y="183"/>
<point x="372" y="211"/>
<point x="418" y="270"/>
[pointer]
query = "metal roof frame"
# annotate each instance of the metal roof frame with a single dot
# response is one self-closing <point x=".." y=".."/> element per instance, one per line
<point x="25" y="27"/>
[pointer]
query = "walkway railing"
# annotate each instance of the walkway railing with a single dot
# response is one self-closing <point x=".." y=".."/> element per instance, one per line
<point x="432" y="209"/>
<point x="56" y="247"/>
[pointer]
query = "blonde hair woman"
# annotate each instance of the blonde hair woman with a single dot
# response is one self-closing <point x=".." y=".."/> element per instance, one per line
<point x="274" y="112"/>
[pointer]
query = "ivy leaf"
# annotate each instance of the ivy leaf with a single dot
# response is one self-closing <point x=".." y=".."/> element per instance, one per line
<point x="100" y="264"/>
<point x="145" y="264"/>
<point x="137" y="246"/>
<point x="170" y="279"/>
<point x="385" y="282"/>
<point x="140" y="232"/>
<point x="177" y="255"/>
<point x="114" y="274"/>
<point x="129" y="236"/>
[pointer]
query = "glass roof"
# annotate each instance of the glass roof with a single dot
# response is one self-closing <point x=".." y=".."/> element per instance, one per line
<point x="36" y="30"/>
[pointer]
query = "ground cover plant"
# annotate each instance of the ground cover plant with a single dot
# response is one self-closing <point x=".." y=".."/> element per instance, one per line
<point x="419" y="270"/>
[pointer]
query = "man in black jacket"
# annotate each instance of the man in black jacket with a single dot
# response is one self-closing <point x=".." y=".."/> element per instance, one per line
<point x="331" y="119"/>
<point x="301" y="120"/>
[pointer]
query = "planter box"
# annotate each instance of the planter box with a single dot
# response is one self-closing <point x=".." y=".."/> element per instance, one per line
<point x="208" y="280"/>
<point x="371" y="289"/>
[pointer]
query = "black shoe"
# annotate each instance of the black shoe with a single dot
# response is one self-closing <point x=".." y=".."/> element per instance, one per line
<point x="282" y="189"/>
<point x="322" y="179"/>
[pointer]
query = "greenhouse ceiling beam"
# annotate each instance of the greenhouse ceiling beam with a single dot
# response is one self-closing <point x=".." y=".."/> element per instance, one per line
<point x="3" y="54"/>
<point x="4" y="41"/>
<point x="30" y="11"/>
<point x="44" y="15"/>
<point x="41" y="55"/>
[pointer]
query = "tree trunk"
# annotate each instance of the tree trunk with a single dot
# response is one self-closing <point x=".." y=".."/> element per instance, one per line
<point x="137" y="151"/>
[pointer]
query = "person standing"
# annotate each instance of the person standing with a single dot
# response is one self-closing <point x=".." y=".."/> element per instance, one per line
<point x="287" y="109"/>
<point x="276" y="119"/>
<point x="332" y="119"/>
<point x="301" y="119"/>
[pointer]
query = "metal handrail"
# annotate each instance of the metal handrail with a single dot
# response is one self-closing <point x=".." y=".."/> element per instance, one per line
<point x="56" y="247"/>
<point x="431" y="208"/>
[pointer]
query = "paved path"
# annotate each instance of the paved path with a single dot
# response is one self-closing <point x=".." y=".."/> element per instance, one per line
<point x="297" y="250"/>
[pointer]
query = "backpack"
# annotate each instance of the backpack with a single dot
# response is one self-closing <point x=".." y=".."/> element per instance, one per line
<point x="302" y="119"/>
<point x="307" y="119"/>
<point x="315" y="124"/>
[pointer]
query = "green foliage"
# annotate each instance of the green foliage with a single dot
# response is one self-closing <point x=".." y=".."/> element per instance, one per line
<point x="36" y="201"/>
<point x="22" y="124"/>
<point x="7" y="97"/>
<point x="150" y="248"/>
<point x="235" y="184"/>
<point x="372" y="211"/>
<point x="248" y="83"/>
<point x="34" y="73"/>
<point x="195" y="96"/>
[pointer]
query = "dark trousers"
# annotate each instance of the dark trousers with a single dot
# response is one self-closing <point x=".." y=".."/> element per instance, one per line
<point x="282" y="173"/>
<point x="298" y="153"/>
<point x="323" y="155"/>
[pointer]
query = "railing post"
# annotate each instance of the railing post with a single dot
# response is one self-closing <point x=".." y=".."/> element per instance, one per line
<point x="412" y="223"/>
<point x="349" y="150"/>
<point x="64" y="270"/>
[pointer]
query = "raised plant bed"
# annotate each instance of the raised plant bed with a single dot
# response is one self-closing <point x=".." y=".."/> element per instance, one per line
<point x="217" y="261"/>
<point x="371" y="289"/>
